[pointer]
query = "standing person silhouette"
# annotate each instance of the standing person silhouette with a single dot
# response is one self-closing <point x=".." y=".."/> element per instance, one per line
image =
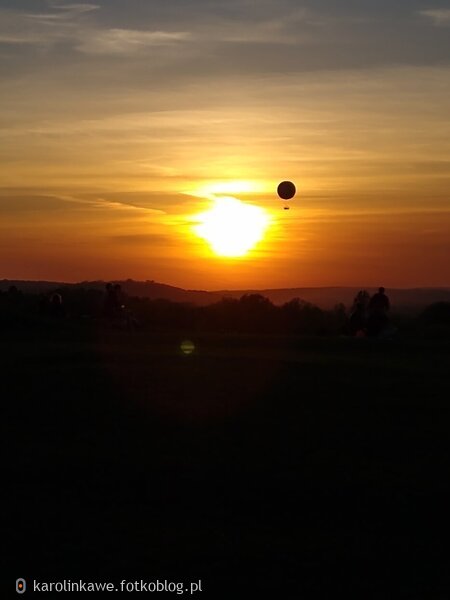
<point x="358" y="316"/>
<point x="379" y="306"/>
<point x="108" y="306"/>
<point x="56" y="306"/>
<point x="112" y="307"/>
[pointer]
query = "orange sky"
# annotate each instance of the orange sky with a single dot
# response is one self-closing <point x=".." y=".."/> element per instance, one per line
<point x="114" y="132"/>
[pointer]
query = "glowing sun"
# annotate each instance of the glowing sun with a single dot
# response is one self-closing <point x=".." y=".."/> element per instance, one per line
<point x="232" y="228"/>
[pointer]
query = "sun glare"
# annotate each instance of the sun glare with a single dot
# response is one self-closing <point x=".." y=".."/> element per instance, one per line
<point x="213" y="189"/>
<point x="232" y="228"/>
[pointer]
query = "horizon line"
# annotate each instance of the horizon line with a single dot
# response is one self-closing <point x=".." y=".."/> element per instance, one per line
<point x="223" y="290"/>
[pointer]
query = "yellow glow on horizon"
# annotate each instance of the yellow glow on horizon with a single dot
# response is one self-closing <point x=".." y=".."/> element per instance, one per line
<point x="232" y="228"/>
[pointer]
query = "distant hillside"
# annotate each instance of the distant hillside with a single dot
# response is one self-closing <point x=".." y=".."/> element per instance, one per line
<point x="30" y="287"/>
<point x="326" y="297"/>
<point x="142" y="289"/>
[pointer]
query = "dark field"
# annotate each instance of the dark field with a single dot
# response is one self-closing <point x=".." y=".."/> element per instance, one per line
<point x="309" y="468"/>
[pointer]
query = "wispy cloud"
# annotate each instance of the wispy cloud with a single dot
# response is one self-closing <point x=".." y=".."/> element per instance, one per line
<point x="109" y="204"/>
<point x="63" y="16"/>
<point x="279" y="29"/>
<point x="43" y="28"/>
<point x="75" y="8"/>
<point x="63" y="11"/>
<point x="69" y="23"/>
<point x="73" y="23"/>
<point x="439" y="16"/>
<point x="127" y="41"/>
<point x="20" y="38"/>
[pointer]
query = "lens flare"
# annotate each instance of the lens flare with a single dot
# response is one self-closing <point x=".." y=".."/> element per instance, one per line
<point x="187" y="347"/>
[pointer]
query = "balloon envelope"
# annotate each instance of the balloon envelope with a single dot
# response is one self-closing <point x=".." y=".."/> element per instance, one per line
<point x="286" y="190"/>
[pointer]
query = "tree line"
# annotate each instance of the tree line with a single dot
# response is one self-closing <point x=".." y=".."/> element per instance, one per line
<point x="252" y="314"/>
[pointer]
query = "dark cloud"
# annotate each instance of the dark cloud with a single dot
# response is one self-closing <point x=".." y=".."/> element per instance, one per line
<point x="234" y="37"/>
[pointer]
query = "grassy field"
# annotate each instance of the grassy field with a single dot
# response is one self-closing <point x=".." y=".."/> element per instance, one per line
<point x="309" y="468"/>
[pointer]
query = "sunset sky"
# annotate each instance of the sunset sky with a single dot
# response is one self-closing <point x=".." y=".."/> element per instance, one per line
<point x="123" y="120"/>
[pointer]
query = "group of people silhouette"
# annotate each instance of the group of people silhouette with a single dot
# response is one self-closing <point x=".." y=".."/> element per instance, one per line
<point x="113" y="308"/>
<point x="52" y="306"/>
<point x="369" y="315"/>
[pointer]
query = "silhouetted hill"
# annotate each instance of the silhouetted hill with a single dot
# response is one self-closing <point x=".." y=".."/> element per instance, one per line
<point x="141" y="289"/>
<point x="32" y="287"/>
<point x="324" y="297"/>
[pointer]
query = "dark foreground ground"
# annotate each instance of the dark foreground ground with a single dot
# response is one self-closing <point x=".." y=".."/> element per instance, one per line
<point x="308" y="468"/>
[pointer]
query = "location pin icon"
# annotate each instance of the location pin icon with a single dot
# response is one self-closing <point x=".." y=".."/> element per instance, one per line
<point x="21" y="586"/>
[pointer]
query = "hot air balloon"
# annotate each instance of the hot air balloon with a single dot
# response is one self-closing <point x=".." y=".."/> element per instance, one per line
<point x="286" y="191"/>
